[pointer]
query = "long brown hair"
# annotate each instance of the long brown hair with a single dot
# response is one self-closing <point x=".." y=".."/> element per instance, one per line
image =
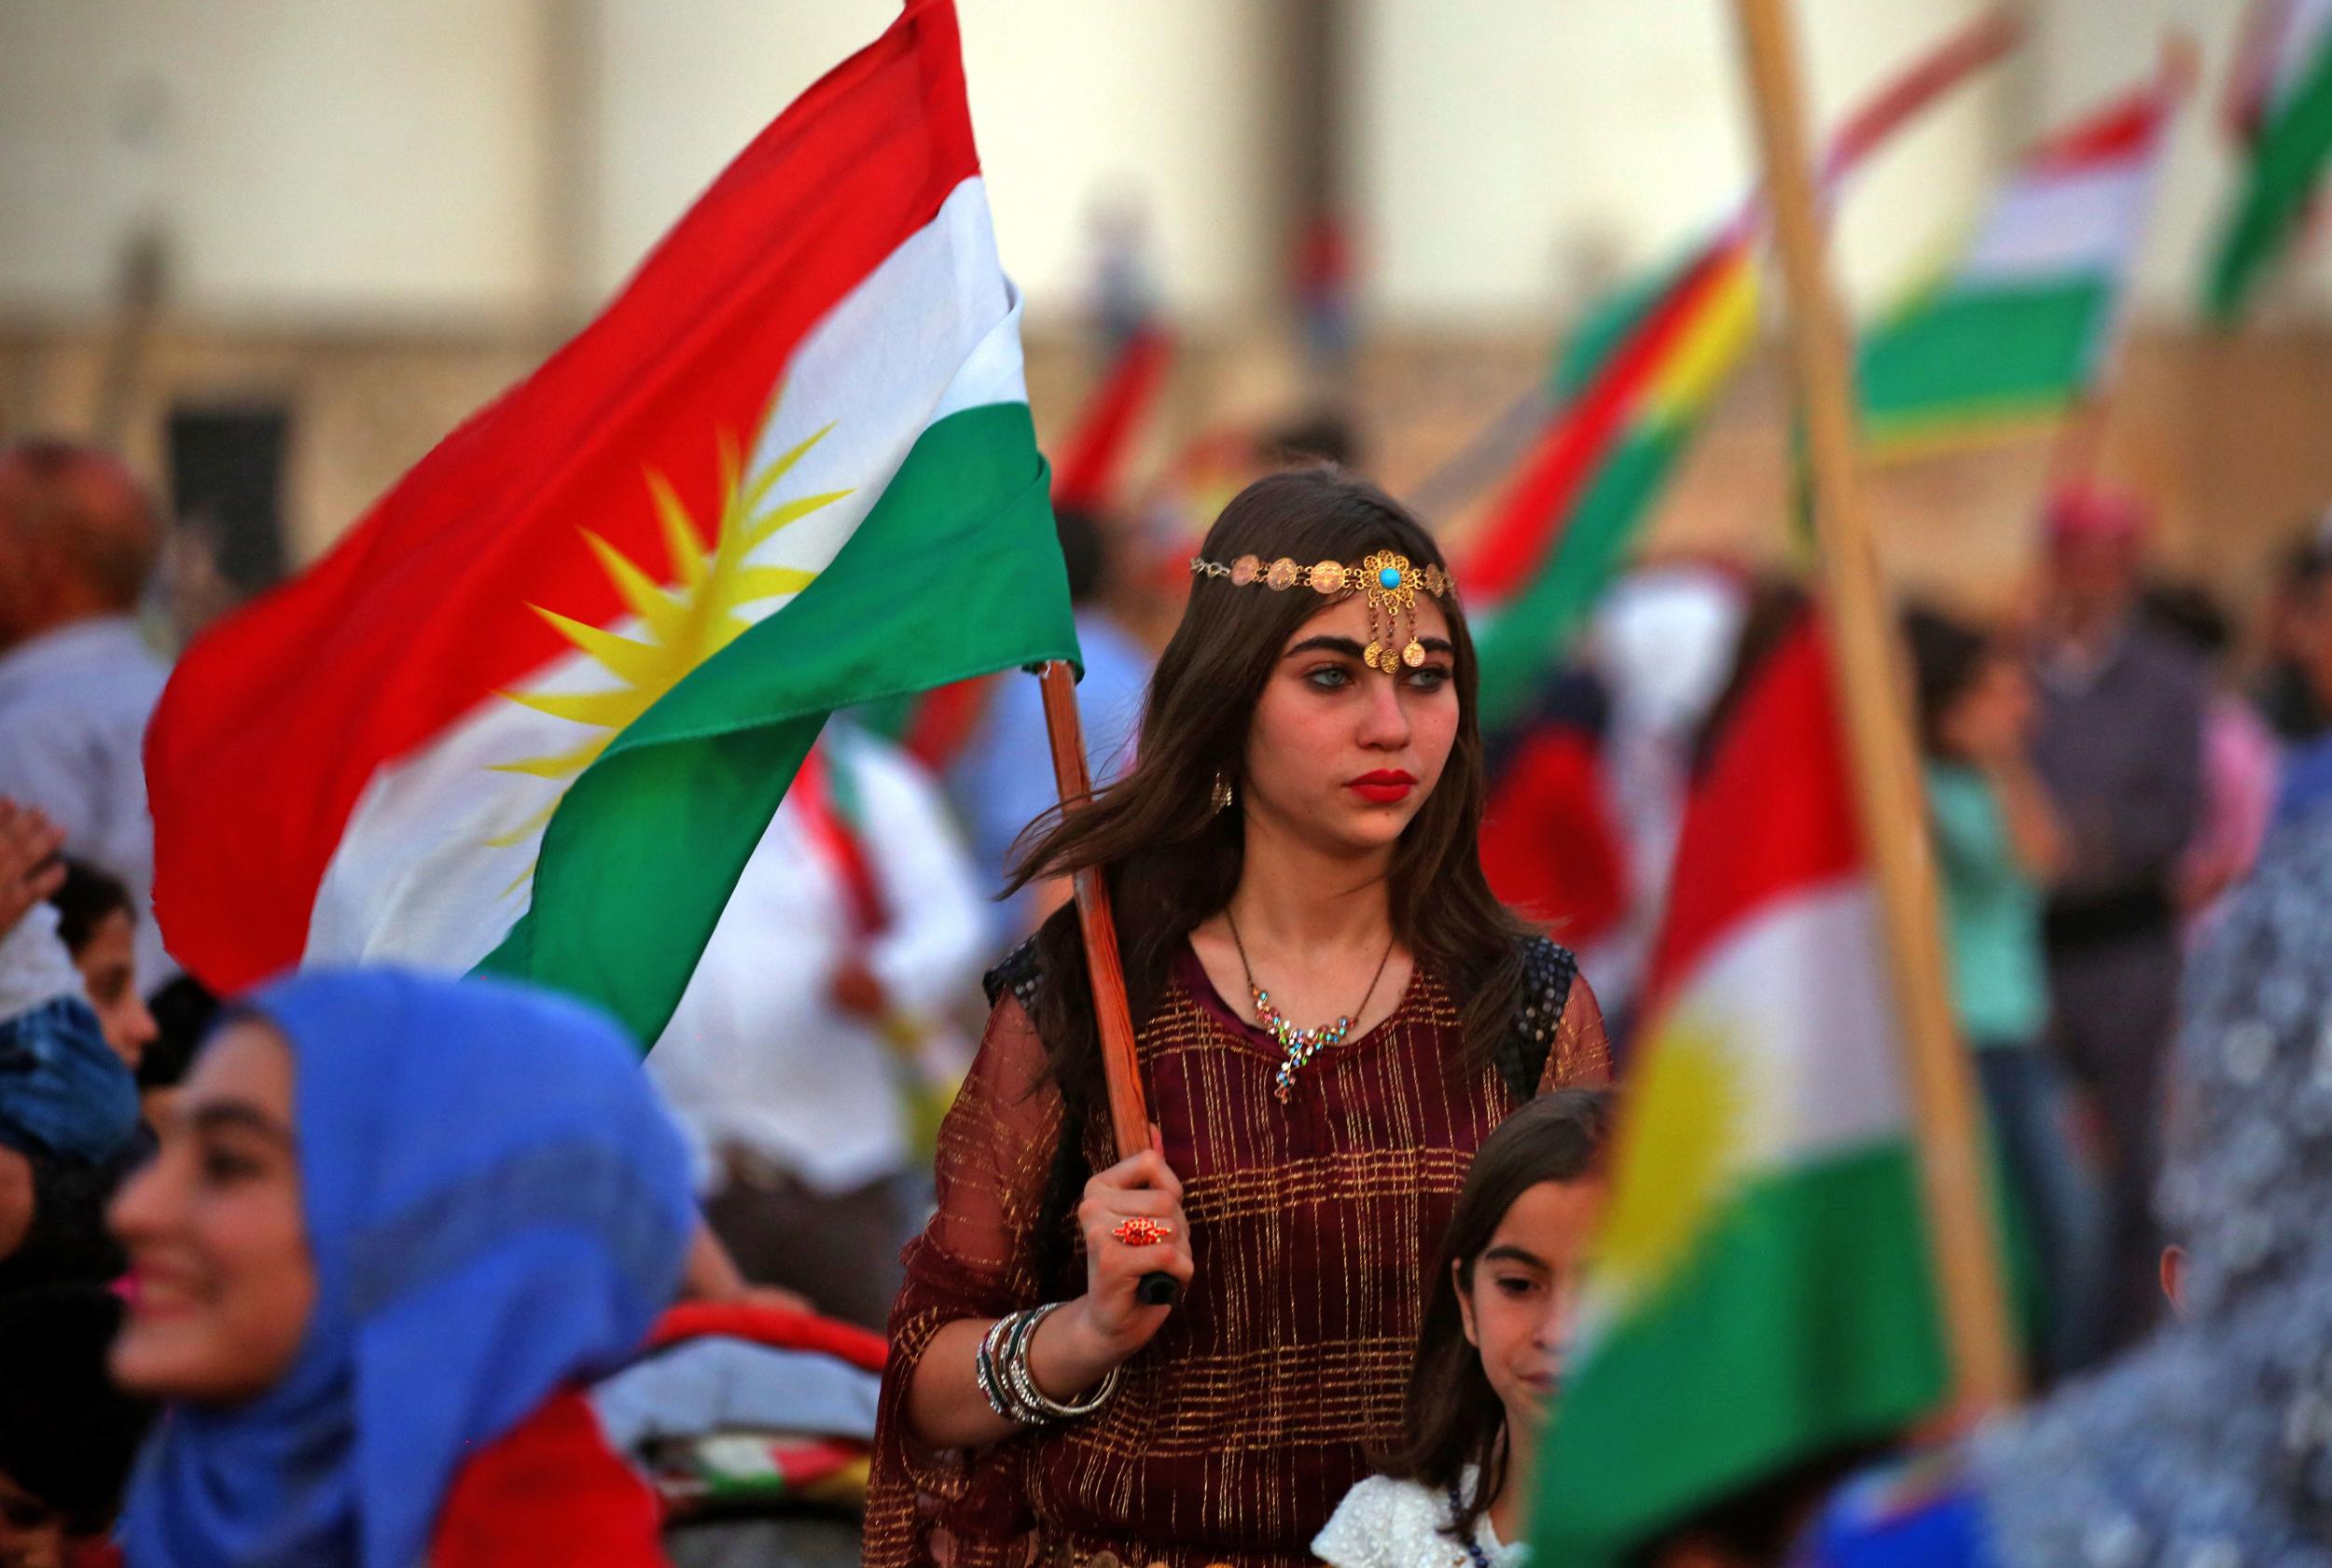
<point x="1452" y="1418"/>
<point x="1171" y="861"/>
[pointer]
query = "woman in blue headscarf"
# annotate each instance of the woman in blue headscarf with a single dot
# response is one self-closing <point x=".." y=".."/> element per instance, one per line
<point x="395" y="1221"/>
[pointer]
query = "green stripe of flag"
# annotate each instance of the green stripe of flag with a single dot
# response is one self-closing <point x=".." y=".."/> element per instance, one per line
<point x="955" y="572"/>
<point x="1532" y="630"/>
<point x="1805" y="1319"/>
<point x="1974" y="357"/>
<point x="2286" y="167"/>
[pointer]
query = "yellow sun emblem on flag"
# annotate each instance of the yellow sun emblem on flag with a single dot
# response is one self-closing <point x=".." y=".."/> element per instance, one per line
<point x="682" y="623"/>
<point x="1678" y="1149"/>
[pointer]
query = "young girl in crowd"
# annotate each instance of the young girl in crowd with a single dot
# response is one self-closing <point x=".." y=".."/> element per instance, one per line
<point x="394" y="1222"/>
<point x="1998" y="845"/>
<point x="1489" y="1358"/>
<point x="1332" y="1012"/>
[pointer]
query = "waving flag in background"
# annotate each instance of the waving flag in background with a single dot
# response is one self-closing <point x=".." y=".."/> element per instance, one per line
<point x="2027" y="323"/>
<point x="2284" y="111"/>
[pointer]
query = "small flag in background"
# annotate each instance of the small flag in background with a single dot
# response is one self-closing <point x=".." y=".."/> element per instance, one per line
<point x="1570" y="516"/>
<point x="1762" y="1291"/>
<point x="536" y="708"/>
<point x="2028" y="320"/>
<point x="1629" y="395"/>
<point x="2286" y="110"/>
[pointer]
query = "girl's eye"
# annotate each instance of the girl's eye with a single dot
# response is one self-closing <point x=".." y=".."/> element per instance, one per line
<point x="1329" y="677"/>
<point x="1517" y="1285"/>
<point x="1429" y="677"/>
<point x="224" y="1166"/>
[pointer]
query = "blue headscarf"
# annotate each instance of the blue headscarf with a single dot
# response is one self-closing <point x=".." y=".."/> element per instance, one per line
<point x="497" y="1207"/>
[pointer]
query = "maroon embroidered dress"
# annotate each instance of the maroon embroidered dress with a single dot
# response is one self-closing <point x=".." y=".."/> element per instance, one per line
<point x="1237" y="1430"/>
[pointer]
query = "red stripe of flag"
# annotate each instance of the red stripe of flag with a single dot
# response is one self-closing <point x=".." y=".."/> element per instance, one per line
<point x="1093" y="459"/>
<point x="2117" y="134"/>
<point x="1770" y="814"/>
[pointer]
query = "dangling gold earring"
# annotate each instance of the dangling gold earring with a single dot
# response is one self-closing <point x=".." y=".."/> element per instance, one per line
<point x="1220" y="796"/>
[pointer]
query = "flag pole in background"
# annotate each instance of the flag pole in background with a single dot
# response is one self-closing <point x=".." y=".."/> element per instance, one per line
<point x="1869" y="675"/>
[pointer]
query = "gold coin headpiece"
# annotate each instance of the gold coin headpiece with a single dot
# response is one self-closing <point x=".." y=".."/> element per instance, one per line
<point x="1387" y="580"/>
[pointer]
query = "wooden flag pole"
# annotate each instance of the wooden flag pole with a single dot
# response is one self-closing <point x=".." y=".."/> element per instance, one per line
<point x="1113" y="1019"/>
<point x="1866" y="658"/>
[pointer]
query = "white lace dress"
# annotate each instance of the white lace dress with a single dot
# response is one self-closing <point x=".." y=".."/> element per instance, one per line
<point x="1385" y="1523"/>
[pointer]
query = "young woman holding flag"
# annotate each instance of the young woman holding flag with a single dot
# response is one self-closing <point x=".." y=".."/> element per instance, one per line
<point x="1332" y="1012"/>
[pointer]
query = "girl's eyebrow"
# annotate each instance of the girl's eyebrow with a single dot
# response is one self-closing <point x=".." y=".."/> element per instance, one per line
<point x="1344" y="646"/>
<point x="1349" y="648"/>
<point x="237" y="1116"/>
<point x="1512" y="1254"/>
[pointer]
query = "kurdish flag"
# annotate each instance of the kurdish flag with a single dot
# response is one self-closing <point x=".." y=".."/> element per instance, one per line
<point x="533" y="712"/>
<point x="2290" y="127"/>
<point x="2026" y="325"/>
<point x="1762" y="1291"/>
<point x="1645" y="372"/>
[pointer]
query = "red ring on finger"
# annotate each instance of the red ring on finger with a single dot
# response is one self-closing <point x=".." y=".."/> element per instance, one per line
<point x="1141" y="1231"/>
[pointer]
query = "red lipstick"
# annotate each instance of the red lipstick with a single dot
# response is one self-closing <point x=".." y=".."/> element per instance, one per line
<point x="1386" y="786"/>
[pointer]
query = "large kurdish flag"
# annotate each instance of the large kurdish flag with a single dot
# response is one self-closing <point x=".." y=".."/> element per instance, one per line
<point x="2027" y="321"/>
<point x="537" y="707"/>
<point x="1762" y="1290"/>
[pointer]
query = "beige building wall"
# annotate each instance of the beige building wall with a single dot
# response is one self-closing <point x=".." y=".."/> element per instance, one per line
<point x="304" y="161"/>
<point x="1165" y="104"/>
<point x="1512" y="151"/>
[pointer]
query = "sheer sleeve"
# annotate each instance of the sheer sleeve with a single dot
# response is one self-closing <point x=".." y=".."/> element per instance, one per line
<point x="1581" y="1054"/>
<point x="976" y="1258"/>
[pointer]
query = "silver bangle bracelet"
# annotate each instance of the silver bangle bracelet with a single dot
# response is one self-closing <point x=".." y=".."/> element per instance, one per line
<point x="1002" y="1369"/>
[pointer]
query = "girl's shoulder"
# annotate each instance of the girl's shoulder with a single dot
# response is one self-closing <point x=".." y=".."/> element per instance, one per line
<point x="1548" y="969"/>
<point x="1388" y="1524"/>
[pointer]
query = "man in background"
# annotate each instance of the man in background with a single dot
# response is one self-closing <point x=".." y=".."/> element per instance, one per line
<point x="77" y="540"/>
<point x="814" y="1045"/>
<point x="2119" y="748"/>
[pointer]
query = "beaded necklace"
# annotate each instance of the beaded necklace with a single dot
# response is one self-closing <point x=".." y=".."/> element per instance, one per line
<point x="1472" y="1543"/>
<point x="1301" y="1045"/>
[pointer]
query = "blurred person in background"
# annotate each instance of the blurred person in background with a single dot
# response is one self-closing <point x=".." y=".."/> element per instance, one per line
<point x="64" y="1142"/>
<point x="79" y="537"/>
<point x="2306" y="646"/>
<point x="2286" y="693"/>
<point x="2211" y="1443"/>
<point x="1003" y="779"/>
<point x="1663" y="645"/>
<point x="395" y="1222"/>
<point x="184" y="1012"/>
<point x="67" y="1435"/>
<point x="2119" y="746"/>
<point x="2243" y="763"/>
<point x="98" y="924"/>
<point x="816" y="1030"/>
<point x="1998" y="848"/>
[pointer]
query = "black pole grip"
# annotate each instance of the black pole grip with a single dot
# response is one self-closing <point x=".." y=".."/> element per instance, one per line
<point x="1159" y="1289"/>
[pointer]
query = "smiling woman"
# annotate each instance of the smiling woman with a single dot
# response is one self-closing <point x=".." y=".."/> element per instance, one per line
<point x="392" y="1219"/>
<point x="1333" y="1011"/>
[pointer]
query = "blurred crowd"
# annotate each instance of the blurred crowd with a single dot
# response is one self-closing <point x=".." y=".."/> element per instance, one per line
<point x="2102" y="772"/>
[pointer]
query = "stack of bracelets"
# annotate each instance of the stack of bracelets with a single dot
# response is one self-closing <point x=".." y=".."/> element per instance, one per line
<point x="1002" y="1367"/>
